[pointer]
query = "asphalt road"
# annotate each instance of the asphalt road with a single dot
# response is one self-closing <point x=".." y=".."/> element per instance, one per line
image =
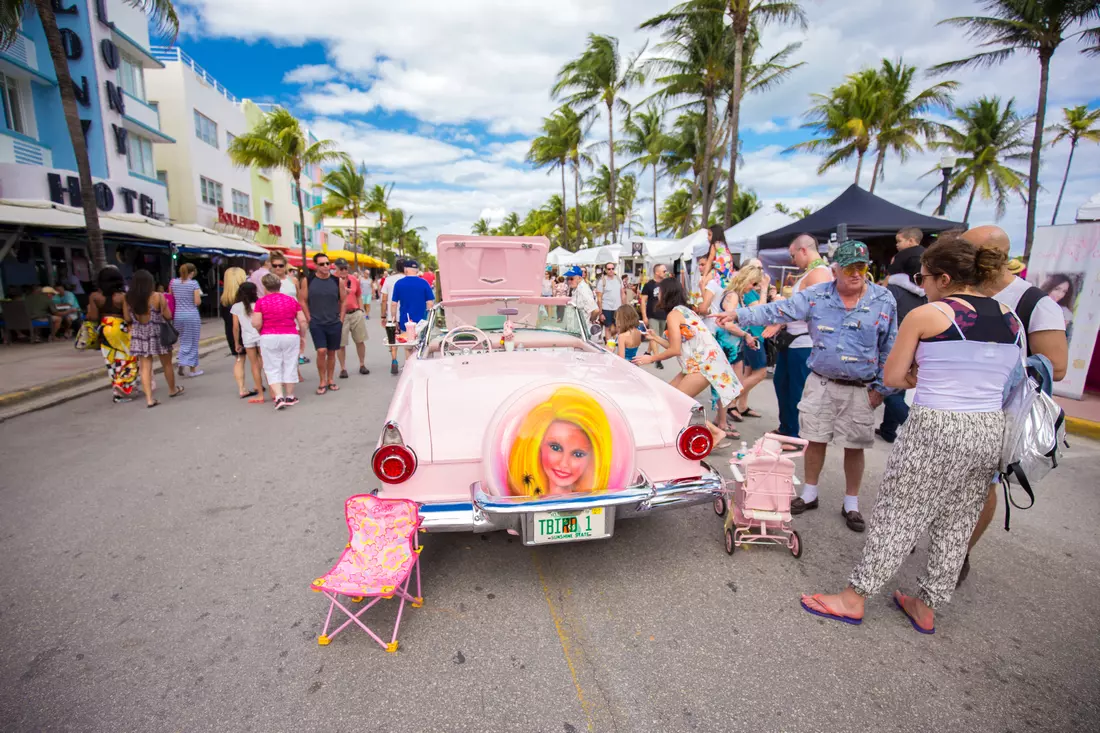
<point x="156" y="568"/>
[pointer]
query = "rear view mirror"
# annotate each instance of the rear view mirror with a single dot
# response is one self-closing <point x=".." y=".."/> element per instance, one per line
<point x="507" y="311"/>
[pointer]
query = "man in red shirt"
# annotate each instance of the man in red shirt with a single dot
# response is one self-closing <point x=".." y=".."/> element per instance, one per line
<point x="355" y="322"/>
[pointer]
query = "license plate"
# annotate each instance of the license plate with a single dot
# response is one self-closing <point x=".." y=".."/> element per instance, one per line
<point x="588" y="524"/>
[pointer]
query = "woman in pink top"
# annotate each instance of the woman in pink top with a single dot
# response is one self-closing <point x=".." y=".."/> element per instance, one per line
<point x="280" y="320"/>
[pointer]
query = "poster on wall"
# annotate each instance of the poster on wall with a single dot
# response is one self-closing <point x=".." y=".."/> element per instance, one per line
<point x="1065" y="263"/>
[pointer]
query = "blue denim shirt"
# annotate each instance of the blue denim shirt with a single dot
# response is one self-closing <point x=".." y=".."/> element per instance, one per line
<point x="847" y="344"/>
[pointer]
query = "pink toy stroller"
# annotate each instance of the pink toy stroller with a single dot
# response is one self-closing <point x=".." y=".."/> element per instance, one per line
<point x="763" y="487"/>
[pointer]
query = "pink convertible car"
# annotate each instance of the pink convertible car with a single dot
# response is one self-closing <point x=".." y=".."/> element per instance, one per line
<point x="510" y="416"/>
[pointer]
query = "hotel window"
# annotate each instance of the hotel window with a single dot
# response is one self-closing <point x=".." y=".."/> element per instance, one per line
<point x="229" y="138"/>
<point x="162" y="176"/>
<point x="240" y="204"/>
<point x="211" y="192"/>
<point x="12" y="100"/>
<point x="139" y="155"/>
<point x="131" y="77"/>
<point x="206" y="129"/>
<point x="269" y="212"/>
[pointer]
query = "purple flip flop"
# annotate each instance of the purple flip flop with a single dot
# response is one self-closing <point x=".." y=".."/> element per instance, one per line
<point x="913" y="621"/>
<point x="833" y="616"/>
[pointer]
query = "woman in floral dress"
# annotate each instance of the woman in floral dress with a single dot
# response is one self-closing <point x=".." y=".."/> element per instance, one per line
<point x="702" y="362"/>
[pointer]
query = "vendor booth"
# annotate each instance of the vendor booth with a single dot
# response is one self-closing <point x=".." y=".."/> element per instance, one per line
<point x="742" y="237"/>
<point x="857" y="214"/>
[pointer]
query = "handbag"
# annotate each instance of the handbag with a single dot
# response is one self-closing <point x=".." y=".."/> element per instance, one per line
<point x="168" y="334"/>
<point x="88" y="337"/>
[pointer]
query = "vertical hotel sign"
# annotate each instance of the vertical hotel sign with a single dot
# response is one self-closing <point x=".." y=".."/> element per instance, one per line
<point x="116" y="102"/>
<point x="1065" y="263"/>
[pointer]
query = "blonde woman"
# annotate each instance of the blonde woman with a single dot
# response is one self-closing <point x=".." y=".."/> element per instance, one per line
<point x="231" y="285"/>
<point x="563" y="446"/>
<point x="749" y="287"/>
<point x="188" y="296"/>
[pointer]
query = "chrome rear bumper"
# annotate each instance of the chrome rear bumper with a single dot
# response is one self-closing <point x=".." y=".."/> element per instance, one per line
<point x="485" y="513"/>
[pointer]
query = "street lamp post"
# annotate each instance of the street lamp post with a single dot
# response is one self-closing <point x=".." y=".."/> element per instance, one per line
<point x="947" y="165"/>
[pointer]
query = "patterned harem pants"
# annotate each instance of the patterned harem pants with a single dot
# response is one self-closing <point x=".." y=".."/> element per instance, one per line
<point x="937" y="479"/>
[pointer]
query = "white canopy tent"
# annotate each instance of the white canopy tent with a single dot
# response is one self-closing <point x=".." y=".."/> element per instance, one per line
<point x="1090" y="211"/>
<point x="557" y="256"/>
<point x="741" y="237"/>
<point x="593" y="256"/>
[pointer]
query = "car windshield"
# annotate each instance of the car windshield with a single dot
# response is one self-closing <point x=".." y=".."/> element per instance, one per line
<point x="488" y="317"/>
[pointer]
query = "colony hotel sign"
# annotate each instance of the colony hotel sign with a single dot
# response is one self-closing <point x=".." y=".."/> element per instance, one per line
<point x="74" y="50"/>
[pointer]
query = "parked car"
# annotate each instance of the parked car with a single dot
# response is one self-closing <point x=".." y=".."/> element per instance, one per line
<point x="509" y="417"/>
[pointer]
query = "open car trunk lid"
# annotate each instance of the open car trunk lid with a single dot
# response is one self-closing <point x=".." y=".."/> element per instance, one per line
<point x="478" y="267"/>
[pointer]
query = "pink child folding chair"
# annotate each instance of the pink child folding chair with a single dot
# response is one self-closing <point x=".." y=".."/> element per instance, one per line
<point x="763" y="487"/>
<point x="382" y="553"/>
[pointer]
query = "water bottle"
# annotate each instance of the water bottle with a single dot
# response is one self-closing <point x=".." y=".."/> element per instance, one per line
<point x="742" y="451"/>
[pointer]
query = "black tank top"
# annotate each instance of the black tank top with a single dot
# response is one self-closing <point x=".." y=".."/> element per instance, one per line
<point x="324" y="300"/>
<point x="985" y="323"/>
<point x="109" y="308"/>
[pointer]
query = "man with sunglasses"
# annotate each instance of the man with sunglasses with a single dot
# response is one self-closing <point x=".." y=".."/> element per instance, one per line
<point x="610" y="294"/>
<point x="324" y="303"/>
<point x="852" y="326"/>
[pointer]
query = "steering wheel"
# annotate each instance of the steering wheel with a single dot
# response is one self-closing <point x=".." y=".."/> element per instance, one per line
<point x="451" y="346"/>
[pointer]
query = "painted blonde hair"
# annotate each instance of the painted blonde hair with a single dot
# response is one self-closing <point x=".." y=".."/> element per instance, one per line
<point x="232" y="280"/>
<point x="526" y="476"/>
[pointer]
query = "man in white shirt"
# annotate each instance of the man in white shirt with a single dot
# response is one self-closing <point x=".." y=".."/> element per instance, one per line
<point x="582" y="294"/>
<point x="610" y="294"/>
<point x="389" y="320"/>
<point x="1046" y="335"/>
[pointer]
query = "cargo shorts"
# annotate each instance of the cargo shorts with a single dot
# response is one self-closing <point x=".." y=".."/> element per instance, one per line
<point x="829" y="410"/>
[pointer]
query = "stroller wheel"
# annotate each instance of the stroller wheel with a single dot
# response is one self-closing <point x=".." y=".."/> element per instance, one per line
<point x="719" y="506"/>
<point x="795" y="544"/>
<point x="729" y="542"/>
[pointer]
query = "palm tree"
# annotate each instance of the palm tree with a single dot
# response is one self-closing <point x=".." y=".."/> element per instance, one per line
<point x="599" y="75"/>
<point x="481" y="227"/>
<point x="900" y="124"/>
<point x="572" y="128"/>
<point x="378" y="202"/>
<point x="346" y="194"/>
<point x="647" y="140"/>
<point x="552" y="149"/>
<point x="988" y="136"/>
<point x="1038" y="26"/>
<point x="845" y="121"/>
<point x="280" y="142"/>
<point x="677" y="213"/>
<point x="685" y="157"/>
<point x="744" y="204"/>
<point x="401" y="230"/>
<point x="1077" y="124"/>
<point x="12" y="15"/>
<point x="510" y="226"/>
<point x="801" y="213"/>
<point x="628" y="197"/>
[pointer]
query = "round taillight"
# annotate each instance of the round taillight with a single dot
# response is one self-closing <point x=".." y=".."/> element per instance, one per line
<point x="695" y="442"/>
<point x="393" y="463"/>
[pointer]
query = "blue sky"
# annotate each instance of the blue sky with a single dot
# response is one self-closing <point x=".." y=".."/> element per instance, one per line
<point x="442" y="98"/>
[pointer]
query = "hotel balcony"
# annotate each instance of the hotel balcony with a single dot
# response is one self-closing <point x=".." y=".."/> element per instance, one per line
<point x="143" y="119"/>
<point x="16" y="148"/>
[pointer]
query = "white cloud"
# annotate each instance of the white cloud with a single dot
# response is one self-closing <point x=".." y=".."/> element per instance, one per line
<point x="477" y="70"/>
<point x="310" y="74"/>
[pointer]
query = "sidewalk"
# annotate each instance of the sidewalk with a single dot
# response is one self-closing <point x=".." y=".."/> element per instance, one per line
<point x="33" y="376"/>
<point x="1082" y="416"/>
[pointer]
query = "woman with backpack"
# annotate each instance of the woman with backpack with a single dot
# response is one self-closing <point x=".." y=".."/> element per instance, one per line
<point x="958" y="351"/>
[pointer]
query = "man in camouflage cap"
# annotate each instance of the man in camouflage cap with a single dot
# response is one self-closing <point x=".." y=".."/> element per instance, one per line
<point x="852" y="324"/>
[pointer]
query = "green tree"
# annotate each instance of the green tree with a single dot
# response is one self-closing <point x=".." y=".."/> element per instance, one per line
<point x="600" y="75"/>
<point x="801" y="213"/>
<point x="628" y="199"/>
<point x="647" y="140"/>
<point x="677" y="212"/>
<point x="552" y="148"/>
<point x="1077" y="124"/>
<point x="12" y="15"/>
<point x="510" y="226"/>
<point x="481" y="227"/>
<point x="401" y="231"/>
<point x="986" y="136"/>
<point x="744" y="204"/>
<point x="844" y="121"/>
<point x="685" y="157"/>
<point x="1034" y="26"/>
<point x="900" y="124"/>
<point x="346" y="195"/>
<point x="280" y="142"/>
<point x="378" y="202"/>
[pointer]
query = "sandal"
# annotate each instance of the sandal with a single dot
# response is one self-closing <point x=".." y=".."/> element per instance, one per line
<point x="899" y="601"/>
<point x="827" y="612"/>
<point x="320" y="391"/>
<point x="732" y="434"/>
<point x="733" y="414"/>
<point x="251" y="393"/>
<point x="153" y="404"/>
<point x="179" y="391"/>
<point x="749" y="412"/>
<point x="333" y="388"/>
<point x="343" y="374"/>
<point x="256" y="401"/>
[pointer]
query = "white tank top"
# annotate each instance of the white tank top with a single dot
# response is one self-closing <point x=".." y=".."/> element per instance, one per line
<point x="964" y="376"/>
<point x="801" y="329"/>
<point x="287" y="287"/>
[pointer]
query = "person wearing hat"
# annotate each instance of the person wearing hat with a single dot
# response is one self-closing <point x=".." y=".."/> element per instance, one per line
<point x="389" y="318"/>
<point x="412" y="298"/>
<point x="582" y="297"/>
<point x="64" y="309"/>
<point x="852" y="326"/>
<point x="355" y="322"/>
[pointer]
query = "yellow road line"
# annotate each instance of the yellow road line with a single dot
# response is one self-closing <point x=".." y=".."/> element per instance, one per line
<point x="566" y="643"/>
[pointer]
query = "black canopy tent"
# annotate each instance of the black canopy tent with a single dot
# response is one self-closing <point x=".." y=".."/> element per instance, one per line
<point x="860" y="215"/>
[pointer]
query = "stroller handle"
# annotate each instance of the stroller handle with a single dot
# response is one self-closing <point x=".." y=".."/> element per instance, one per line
<point x="783" y="439"/>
